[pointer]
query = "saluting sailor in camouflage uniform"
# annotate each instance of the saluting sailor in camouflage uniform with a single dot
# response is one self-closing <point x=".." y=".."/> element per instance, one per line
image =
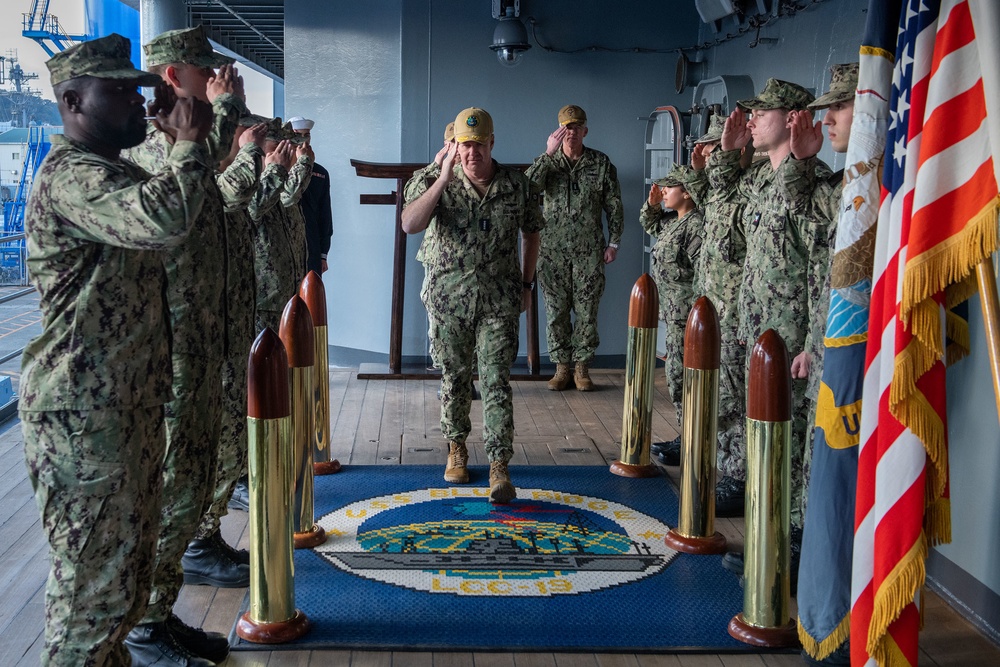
<point x="718" y="276"/>
<point x="198" y="298"/>
<point x="428" y="174"/>
<point x="295" y="185"/>
<point x="95" y="380"/>
<point x="275" y="257"/>
<point x="577" y="184"/>
<point x="474" y="216"/>
<point x="678" y="232"/>
<point x="237" y="181"/>
<point x="783" y="243"/>
<point x="806" y="141"/>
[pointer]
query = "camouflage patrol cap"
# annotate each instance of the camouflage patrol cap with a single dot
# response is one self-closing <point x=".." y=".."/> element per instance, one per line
<point x="681" y="175"/>
<point x="473" y="124"/>
<point x="778" y="94"/>
<point x="104" y="58"/>
<point x="449" y="132"/>
<point x="188" y="45"/>
<point x="250" y="119"/>
<point x="843" y="83"/>
<point x="289" y="134"/>
<point x="715" y="127"/>
<point x="572" y="114"/>
<point x="274" y="132"/>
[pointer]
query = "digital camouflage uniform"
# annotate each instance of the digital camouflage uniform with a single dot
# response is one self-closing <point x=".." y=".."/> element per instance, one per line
<point x="571" y="256"/>
<point x="275" y="258"/>
<point x="237" y="185"/>
<point x="474" y="292"/>
<point x="718" y="275"/>
<point x="295" y="185"/>
<point x="197" y="294"/>
<point x="428" y="175"/>
<point x="95" y="380"/>
<point x="672" y="261"/>
<point x="785" y="240"/>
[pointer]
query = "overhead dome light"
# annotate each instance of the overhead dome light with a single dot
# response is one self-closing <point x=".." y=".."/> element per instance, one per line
<point x="510" y="39"/>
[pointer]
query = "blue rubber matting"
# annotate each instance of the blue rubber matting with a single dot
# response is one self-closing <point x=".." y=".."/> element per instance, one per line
<point x="576" y="563"/>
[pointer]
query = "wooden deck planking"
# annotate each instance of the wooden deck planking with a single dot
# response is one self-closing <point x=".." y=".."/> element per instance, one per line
<point x="372" y="419"/>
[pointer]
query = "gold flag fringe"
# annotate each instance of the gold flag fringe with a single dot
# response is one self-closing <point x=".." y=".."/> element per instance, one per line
<point x="897" y="590"/>
<point x="937" y="521"/>
<point x="916" y="413"/>
<point x="948" y="263"/>
<point x="821" y="649"/>
<point x="958" y="345"/>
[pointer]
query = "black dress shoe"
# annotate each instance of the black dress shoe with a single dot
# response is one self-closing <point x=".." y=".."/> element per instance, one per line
<point x="670" y="453"/>
<point x="206" y="563"/>
<point x="238" y="555"/>
<point x="152" y="644"/>
<point x="730" y="494"/>
<point x="208" y="645"/>
<point x="240" y="500"/>
<point x="733" y="561"/>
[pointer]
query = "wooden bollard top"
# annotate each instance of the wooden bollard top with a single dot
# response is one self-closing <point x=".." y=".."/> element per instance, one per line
<point x="267" y="378"/>
<point x="702" y="337"/>
<point x="769" y="388"/>
<point x="297" y="333"/>
<point x="644" y="304"/>
<point x="313" y="293"/>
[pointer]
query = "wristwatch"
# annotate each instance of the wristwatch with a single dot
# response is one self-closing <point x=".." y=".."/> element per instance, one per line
<point x="613" y="245"/>
<point x="528" y="285"/>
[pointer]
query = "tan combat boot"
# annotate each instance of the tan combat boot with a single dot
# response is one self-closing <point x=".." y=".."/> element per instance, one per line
<point x="560" y="380"/>
<point x="501" y="489"/>
<point x="581" y="378"/>
<point x="456" y="470"/>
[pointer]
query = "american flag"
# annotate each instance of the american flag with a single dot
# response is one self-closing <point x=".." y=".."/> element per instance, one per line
<point x="937" y="221"/>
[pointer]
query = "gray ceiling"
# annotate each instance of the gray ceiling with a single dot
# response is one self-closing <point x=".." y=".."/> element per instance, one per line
<point x="254" y="29"/>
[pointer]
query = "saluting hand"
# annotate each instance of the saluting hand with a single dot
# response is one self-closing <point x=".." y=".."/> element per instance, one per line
<point x="255" y="133"/>
<point x="699" y="156"/>
<point x="439" y="158"/>
<point x="448" y="164"/>
<point x="806" y="139"/>
<point x="655" y="195"/>
<point x="735" y="133"/>
<point x="163" y="101"/>
<point x="223" y="82"/>
<point x="189" y="120"/>
<point x="555" y="140"/>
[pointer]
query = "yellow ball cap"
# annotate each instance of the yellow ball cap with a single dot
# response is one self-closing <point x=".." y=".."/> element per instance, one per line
<point x="473" y="124"/>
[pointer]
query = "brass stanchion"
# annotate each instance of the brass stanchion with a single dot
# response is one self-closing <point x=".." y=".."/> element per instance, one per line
<point x="297" y="335"/>
<point x="314" y="294"/>
<point x="695" y="532"/>
<point x="766" y="620"/>
<point x="272" y="617"/>
<point x="640" y="364"/>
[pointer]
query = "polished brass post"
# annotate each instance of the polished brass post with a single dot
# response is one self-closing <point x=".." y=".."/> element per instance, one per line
<point x="314" y="294"/>
<point x="766" y="619"/>
<point x="695" y="532"/>
<point x="640" y="364"/>
<point x="297" y="335"/>
<point x="272" y="617"/>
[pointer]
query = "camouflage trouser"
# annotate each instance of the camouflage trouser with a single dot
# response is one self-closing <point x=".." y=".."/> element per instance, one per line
<point x="96" y="478"/>
<point x="673" y="360"/>
<point x="268" y="318"/>
<point x="801" y="430"/>
<point x="431" y="330"/>
<point x="494" y="340"/>
<point x="731" y="457"/>
<point x="571" y="284"/>
<point x="192" y="421"/>
<point x="232" y="458"/>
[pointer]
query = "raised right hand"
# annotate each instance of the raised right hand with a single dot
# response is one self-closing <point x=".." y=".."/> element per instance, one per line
<point x="448" y="164"/>
<point x="189" y="120"/>
<point x="226" y="80"/>
<point x="699" y="156"/>
<point x="439" y="158"/>
<point x="735" y="133"/>
<point x="555" y="140"/>
<point x="655" y="195"/>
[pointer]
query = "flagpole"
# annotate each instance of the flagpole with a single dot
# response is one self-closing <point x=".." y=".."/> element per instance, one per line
<point x="991" y="320"/>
